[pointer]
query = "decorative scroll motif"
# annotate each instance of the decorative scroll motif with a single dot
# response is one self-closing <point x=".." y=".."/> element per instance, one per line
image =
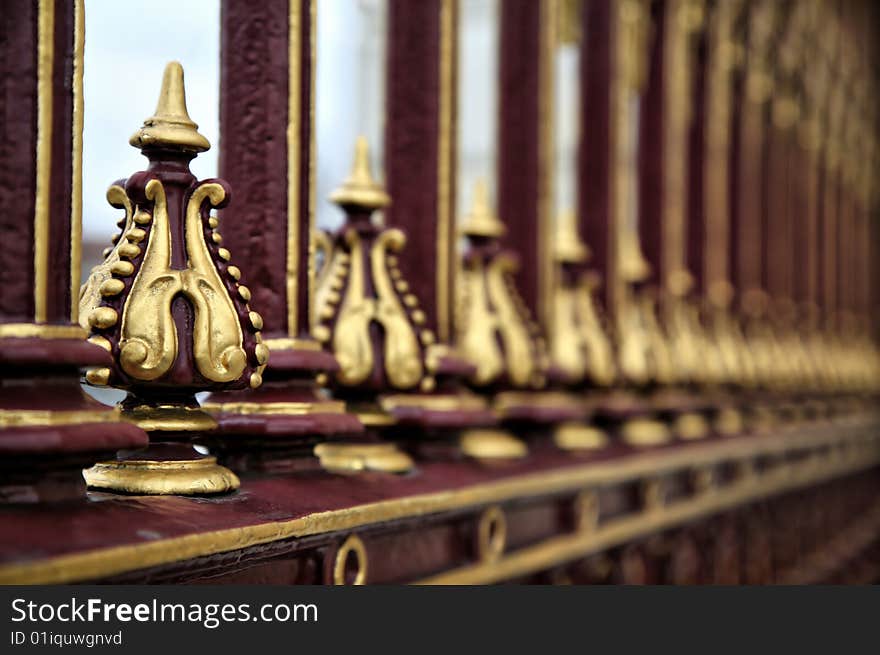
<point x="579" y="346"/>
<point x="495" y="330"/>
<point x="128" y="300"/>
<point x="361" y="288"/>
<point x="147" y="338"/>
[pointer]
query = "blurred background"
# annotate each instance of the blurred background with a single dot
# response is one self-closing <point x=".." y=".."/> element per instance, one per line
<point x="350" y="91"/>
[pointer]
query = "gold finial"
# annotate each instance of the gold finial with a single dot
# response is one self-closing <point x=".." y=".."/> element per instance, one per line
<point x="170" y="127"/>
<point x="360" y="188"/>
<point x="568" y="247"/>
<point x="481" y="221"/>
<point x="633" y="266"/>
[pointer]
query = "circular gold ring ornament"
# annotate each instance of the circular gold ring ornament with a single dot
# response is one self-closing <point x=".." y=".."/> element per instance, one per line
<point x="351" y="545"/>
<point x="492" y="534"/>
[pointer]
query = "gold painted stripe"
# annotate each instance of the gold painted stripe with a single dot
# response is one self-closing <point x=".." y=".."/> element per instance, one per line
<point x="546" y="161"/>
<point x="565" y="548"/>
<point x="445" y="162"/>
<point x="79" y="37"/>
<point x="440" y="403"/>
<point x="23" y="418"/>
<point x="105" y="562"/>
<point x="279" y="408"/>
<point x="313" y="155"/>
<point x="717" y="154"/>
<point x="676" y="115"/>
<point x="286" y="343"/>
<point x="34" y="330"/>
<point x="294" y="104"/>
<point x="45" y="59"/>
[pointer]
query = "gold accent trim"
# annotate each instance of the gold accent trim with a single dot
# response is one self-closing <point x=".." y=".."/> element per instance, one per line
<point x="578" y="436"/>
<point x="194" y="477"/>
<point x="280" y="408"/>
<point x="568" y="247"/>
<point x="351" y="545"/>
<point x="170" y="418"/>
<point x="45" y="98"/>
<point x="630" y="25"/>
<point x="558" y="550"/>
<point x="76" y="190"/>
<point x="491" y="534"/>
<point x="148" y="344"/>
<point x="716" y="152"/>
<point x="445" y="162"/>
<point x="359" y="458"/>
<point x="41" y="331"/>
<point x="481" y="220"/>
<point x="374" y="292"/>
<point x="24" y="418"/>
<point x="119" y="559"/>
<point x="729" y="422"/>
<point x="170" y="125"/>
<point x="677" y="116"/>
<point x="375" y="418"/>
<point x="294" y="109"/>
<point x="690" y="425"/>
<point x="548" y="42"/>
<point x="644" y="432"/>
<point x="313" y="157"/>
<point x="491" y="444"/>
<point x="444" y="403"/>
<point x="288" y="343"/>
<point x="542" y="399"/>
<point x="98" y="376"/>
<point x="495" y="329"/>
<point x="360" y="187"/>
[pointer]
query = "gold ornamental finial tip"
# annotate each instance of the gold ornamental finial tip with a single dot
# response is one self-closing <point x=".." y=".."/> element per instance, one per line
<point x="632" y="264"/>
<point x="481" y="220"/>
<point x="360" y="187"/>
<point x="568" y="247"/>
<point x="170" y="127"/>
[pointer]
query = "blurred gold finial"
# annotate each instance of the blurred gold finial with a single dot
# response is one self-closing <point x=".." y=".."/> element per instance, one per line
<point x="170" y="127"/>
<point x="633" y="266"/>
<point x="360" y="188"/>
<point x="481" y="220"/>
<point x="567" y="245"/>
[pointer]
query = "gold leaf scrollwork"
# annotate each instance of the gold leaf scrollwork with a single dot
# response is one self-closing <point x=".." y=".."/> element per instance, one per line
<point x="567" y="343"/>
<point x="352" y="344"/>
<point x="148" y="340"/>
<point x="518" y="346"/>
<point x="580" y="347"/>
<point x="477" y="340"/>
<point x="600" y="358"/>
<point x="632" y="345"/>
<point x="90" y="292"/>
<point x="660" y="356"/>
<point x="493" y="332"/>
<point x="403" y="362"/>
<point x="351" y="339"/>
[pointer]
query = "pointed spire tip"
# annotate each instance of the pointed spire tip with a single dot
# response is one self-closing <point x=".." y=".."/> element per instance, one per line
<point x="360" y="188"/>
<point x="481" y="221"/>
<point x="170" y="127"/>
